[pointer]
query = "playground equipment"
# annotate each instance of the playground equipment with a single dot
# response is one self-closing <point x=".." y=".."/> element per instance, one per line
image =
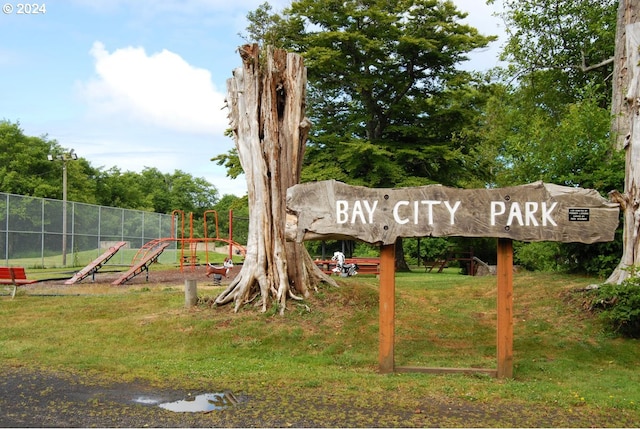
<point x="96" y="264"/>
<point x="151" y="251"/>
<point x="191" y="258"/>
<point x="219" y="271"/>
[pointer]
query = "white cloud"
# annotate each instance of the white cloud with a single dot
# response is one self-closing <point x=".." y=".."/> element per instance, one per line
<point x="152" y="110"/>
<point x="161" y="89"/>
<point x="483" y="17"/>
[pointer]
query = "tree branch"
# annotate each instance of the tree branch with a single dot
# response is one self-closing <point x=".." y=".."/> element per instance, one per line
<point x="586" y="68"/>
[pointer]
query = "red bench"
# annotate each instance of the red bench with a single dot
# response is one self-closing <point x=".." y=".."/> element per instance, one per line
<point x="365" y="265"/>
<point x="14" y="276"/>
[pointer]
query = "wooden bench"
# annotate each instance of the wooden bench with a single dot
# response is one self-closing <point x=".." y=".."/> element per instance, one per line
<point x="366" y="265"/>
<point x="430" y="265"/>
<point x="14" y="276"/>
<point x="453" y="254"/>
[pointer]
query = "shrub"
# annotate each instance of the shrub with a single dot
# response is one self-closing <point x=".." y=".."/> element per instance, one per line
<point x="619" y="306"/>
<point x="537" y="256"/>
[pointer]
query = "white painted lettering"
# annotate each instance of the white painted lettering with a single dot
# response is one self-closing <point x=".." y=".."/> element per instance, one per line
<point x="546" y="214"/>
<point x="534" y="213"/>
<point x="497" y="208"/>
<point x="430" y="204"/>
<point x="515" y="212"/>
<point x="370" y="209"/>
<point x="530" y="208"/>
<point x="357" y="212"/>
<point x="396" y="217"/>
<point x="342" y="207"/>
<point x="452" y="211"/>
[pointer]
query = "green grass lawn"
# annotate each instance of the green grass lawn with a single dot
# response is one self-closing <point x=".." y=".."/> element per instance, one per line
<point x="563" y="358"/>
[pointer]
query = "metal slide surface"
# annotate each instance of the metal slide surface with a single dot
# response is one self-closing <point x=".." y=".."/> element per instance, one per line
<point x="96" y="264"/>
<point x="151" y="257"/>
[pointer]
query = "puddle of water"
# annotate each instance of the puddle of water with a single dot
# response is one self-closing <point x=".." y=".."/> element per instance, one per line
<point x="202" y="403"/>
<point x="146" y="400"/>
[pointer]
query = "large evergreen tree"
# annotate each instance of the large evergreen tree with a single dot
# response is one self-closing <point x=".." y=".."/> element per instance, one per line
<point x="386" y="96"/>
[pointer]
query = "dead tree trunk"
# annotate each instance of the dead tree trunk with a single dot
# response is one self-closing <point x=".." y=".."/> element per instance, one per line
<point x="626" y="129"/>
<point x="627" y="14"/>
<point x="266" y="100"/>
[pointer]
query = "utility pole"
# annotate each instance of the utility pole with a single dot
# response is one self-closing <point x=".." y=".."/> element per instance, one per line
<point x="69" y="156"/>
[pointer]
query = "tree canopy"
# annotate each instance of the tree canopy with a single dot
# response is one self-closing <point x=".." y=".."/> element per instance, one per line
<point x="386" y="94"/>
<point x="550" y="120"/>
<point x="563" y="46"/>
<point x="25" y="170"/>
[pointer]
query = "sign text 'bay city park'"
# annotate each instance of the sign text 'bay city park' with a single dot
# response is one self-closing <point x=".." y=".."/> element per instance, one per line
<point x="533" y="212"/>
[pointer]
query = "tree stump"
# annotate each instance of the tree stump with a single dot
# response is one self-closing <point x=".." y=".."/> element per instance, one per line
<point x="266" y="101"/>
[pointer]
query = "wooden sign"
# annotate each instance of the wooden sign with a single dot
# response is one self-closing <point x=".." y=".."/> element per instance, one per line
<point x="533" y="212"/>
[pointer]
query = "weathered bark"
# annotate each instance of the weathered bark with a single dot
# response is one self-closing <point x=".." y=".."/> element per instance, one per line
<point x="627" y="14"/>
<point x="626" y="129"/>
<point x="401" y="263"/>
<point x="266" y="99"/>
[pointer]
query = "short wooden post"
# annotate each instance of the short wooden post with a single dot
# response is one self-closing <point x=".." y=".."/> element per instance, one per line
<point x="504" y="271"/>
<point x="387" y="307"/>
<point x="190" y="293"/>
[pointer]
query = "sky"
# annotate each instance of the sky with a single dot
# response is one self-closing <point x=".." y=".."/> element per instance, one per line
<point x="135" y="84"/>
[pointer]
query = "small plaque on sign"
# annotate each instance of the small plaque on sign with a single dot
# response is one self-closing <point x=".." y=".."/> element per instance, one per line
<point x="578" y="215"/>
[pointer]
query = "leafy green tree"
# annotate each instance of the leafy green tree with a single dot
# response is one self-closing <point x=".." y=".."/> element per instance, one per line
<point x="26" y="170"/>
<point x="561" y="47"/>
<point x="552" y="124"/>
<point x="121" y="189"/>
<point x="191" y="194"/>
<point x="240" y="208"/>
<point x="156" y="186"/>
<point x="387" y="100"/>
<point x="570" y="146"/>
<point x="552" y="121"/>
<point x="153" y="190"/>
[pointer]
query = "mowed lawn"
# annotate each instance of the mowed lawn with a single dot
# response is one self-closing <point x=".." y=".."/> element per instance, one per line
<point x="564" y="359"/>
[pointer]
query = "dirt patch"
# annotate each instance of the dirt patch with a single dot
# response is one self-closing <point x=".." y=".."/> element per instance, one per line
<point x="37" y="398"/>
<point x="157" y="275"/>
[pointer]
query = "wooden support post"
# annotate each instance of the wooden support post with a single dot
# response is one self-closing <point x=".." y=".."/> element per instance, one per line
<point x="190" y="293"/>
<point x="387" y="307"/>
<point x="505" y="308"/>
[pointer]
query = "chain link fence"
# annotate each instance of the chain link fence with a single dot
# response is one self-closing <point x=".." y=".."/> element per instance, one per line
<point x="31" y="232"/>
